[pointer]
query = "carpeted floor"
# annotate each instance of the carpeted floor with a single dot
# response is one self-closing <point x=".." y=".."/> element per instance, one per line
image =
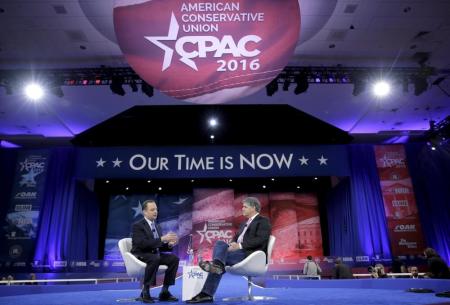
<point x="236" y="286"/>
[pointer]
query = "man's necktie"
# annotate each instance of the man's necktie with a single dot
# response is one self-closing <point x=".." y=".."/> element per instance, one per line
<point x="153" y="228"/>
<point x="241" y="236"/>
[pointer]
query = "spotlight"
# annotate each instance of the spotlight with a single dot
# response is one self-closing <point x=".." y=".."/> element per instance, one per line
<point x="302" y="84"/>
<point x="381" y="89"/>
<point x="147" y="89"/>
<point x="212" y="137"/>
<point x="212" y="122"/>
<point x="34" y="92"/>
<point x="116" y="85"/>
<point x="420" y="84"/>
<point x="272" y="87"/>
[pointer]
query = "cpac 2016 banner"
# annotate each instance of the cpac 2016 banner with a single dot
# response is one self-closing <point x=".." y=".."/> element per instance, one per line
<point x="207" y="51"/>
<point x="403" y="221"/>
<point x="19" y="228"/>
<point x="207" y="215"/>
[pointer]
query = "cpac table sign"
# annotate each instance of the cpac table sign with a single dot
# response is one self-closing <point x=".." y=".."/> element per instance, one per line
<point x="207" y="51"/>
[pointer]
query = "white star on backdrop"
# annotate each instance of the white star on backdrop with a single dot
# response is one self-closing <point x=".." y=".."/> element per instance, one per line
<point x="303" y="161"/>
<point x="322" y="160"/>
<point x="100" y="163"/>
<point x="202" y="233"/>
<point x="137" y="210"/>
<point x="180" y="200"/>
<point x="120" y="196"/>
<point x="117" y="162"/>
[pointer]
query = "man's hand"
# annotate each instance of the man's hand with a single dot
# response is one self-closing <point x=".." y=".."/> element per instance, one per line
<point x="233" y="247"/>
<point x="170" y="238"/>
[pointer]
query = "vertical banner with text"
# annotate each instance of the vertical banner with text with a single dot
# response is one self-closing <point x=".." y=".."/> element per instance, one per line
<point x="404" y="227"/>
<point x="19" y="227"/>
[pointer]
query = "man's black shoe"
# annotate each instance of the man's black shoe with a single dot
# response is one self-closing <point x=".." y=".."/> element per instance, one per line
<point x="167" y="297"/>
<point x="146" y="298"/>
<point x="211" y="267"/>
<point x="201" y="298"/>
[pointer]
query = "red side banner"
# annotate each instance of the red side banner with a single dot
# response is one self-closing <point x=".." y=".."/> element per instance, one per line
<point x="404" y="227"/>
<point x="294" y="217"/>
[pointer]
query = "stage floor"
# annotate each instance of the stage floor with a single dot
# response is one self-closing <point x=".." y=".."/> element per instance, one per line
<point x="234" y="286"/>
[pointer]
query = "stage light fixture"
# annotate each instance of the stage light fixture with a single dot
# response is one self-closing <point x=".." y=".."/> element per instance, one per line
<point x="147" y="89"/>
<point x="302" y="84"/>
<point x="116" y="85"/>
<point x="34" y="92"/>
<point x="133" y="86"/>
<point x="381" y="88"/>
<point x="359" y="86"/>
<point x="286" y="84"/>
<point x="57" y="91"/>
<point x="7" y="86"/>
<point x="272" y="87"/>
<point x="420" y="84"/>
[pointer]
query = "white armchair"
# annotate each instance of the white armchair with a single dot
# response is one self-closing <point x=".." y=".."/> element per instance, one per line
<point x="135" y="267"/>
<point x="253" y="265"/>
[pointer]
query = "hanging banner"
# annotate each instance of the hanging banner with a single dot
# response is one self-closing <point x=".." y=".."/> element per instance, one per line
<point x="212" y="161"/>
<point x="18" y="232"/>
<point x="207" y="51"/>
<point x="404" y="227"/>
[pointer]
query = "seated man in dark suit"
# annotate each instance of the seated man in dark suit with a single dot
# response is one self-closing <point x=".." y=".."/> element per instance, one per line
<point x="253" y="235"/>
<point x="149" y="245"/>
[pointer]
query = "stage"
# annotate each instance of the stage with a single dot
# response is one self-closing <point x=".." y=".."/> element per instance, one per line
<point x="310" y="292"/>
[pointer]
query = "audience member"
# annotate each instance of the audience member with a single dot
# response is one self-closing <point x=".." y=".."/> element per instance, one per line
<point x="341" y="270"/>
<point x="378" y="271"/>
<point x="437" y="268"/>
<point x="32" y="277"/>
<point x="311" y="268"/>
<point x="414" y="272"/>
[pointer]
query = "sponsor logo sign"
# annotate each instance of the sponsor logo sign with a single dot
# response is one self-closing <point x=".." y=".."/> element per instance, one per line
<point x="207" y="51"/>
<point x="405" y="228"/>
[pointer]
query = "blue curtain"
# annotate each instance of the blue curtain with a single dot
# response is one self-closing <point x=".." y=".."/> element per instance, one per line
<point x="357" y="221"/>
<point x="430" y="174"/>
<point x="367" y="202"/>
<point x="8" y="160"/>
<point x="341" y="230"/>
<point x="63" y="222"/>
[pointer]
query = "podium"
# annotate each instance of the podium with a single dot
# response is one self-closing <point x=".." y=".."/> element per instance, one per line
<point x="193" y="279"/>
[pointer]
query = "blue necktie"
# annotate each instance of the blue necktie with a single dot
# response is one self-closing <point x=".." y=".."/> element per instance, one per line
<point x="153" y="228"/>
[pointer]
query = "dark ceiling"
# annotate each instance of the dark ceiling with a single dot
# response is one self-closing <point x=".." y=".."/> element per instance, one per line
<point x="188" y="125"/>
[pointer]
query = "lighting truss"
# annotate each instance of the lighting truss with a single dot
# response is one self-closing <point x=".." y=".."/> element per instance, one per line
<point x="315" y="75"/>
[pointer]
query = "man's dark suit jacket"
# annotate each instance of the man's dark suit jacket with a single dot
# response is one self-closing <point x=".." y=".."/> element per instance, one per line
<point x="143" y="242"/>
<point x="257" y="235"/>
<point x="342" y="271"/>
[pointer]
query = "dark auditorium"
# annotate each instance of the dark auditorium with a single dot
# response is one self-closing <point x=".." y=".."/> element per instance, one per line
<point x="224" y="152"/>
